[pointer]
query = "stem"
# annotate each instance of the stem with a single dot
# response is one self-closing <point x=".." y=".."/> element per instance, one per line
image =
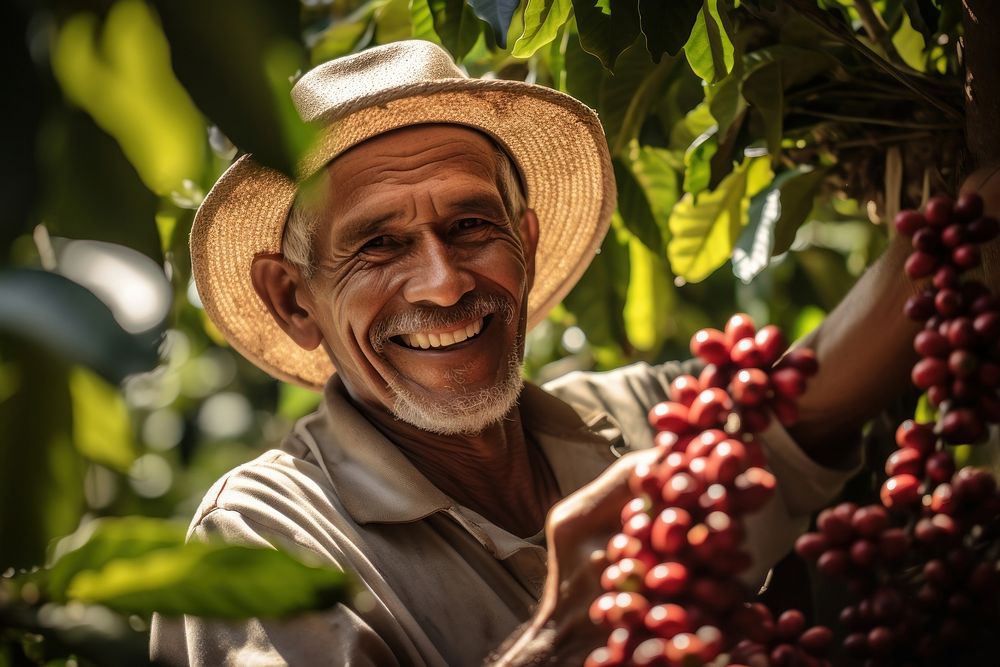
<point x="876" y="28"/>
<point x="980" y="19"/>
<point x="887" y="139"/>
<point x="875" y="121"/>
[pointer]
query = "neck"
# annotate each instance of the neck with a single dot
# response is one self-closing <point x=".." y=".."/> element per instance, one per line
<point x="499" y="473"/>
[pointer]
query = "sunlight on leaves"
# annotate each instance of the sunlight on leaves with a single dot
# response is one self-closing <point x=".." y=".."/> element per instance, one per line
<point x="703" y="234"/>
<point x="102" y="431"/>
<point x="122" y="77"/>
<point x="542" y="20"/>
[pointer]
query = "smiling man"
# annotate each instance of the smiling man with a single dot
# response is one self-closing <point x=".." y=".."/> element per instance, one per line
<point x="438" y="218"/>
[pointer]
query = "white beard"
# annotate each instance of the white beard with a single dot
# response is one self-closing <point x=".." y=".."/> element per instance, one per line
<point x="463" y="413"/>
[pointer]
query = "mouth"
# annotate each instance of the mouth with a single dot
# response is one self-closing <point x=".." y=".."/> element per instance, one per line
<point x="443" y="339"/>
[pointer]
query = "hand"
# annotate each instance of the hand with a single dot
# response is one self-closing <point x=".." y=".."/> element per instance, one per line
<point x="577" y="529"/>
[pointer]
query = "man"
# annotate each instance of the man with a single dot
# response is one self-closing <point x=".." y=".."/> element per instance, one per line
<point x="438" y="219"/>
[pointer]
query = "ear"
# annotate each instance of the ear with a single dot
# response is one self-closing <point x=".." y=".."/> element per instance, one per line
<point x="529" y="242"/>
<point x="281" y="287"/>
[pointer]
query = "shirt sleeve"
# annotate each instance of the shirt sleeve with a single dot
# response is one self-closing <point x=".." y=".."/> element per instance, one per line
<point x="336" y="636"/>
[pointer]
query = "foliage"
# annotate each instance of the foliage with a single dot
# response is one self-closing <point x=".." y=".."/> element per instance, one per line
<point x="764" y="137"/>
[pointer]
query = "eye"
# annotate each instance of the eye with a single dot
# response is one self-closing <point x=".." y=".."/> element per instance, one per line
<point x="472" y="224"/>
<point x="377" y="243"/>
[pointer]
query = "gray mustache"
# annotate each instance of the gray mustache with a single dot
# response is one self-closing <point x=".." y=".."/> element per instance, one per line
<point x="420" y="319"/>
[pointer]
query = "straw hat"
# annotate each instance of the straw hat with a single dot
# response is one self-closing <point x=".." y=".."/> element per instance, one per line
<point x="555" y="141"/>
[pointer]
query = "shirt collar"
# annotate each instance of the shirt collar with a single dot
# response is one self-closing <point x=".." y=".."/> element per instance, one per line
<point x="376" y="483"/>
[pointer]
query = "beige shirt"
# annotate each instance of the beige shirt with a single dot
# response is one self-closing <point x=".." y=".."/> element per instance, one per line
<point x="441" y="584"/>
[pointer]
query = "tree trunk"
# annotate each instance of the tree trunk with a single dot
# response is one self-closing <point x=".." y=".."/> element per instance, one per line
<point x="981" y="19"/>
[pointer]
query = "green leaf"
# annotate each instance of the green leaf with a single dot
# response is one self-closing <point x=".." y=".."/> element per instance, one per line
<point x="542" y="21"/>
<point x="497" y="13"/>
<point x="598" y="299"/>
<point x="102" y="431"/>
<point x="295" y="402"/>
<point x="122" y="78"/>
<point x="635" y="210"/>
<point x="698" y="161"/>
<point x="456" y="24"/>
<point x="703" y="235"/>
<point x="667" y="24"/>
<point x="584" y="74"/>
<point x="808" y="320"/>
<point x="910" y="44"/>
<point x="607" y="27"/>
<point x="422" y="21"/>
<point x="69" y="320"/>
<point x="41" y="476"/>
<point x="244" y="90"/>
<point x="653" y="169"/>
<point x="649" y="302"/>
<point x="210" y="580"/>
<point x="709" y="50"/>
<point x="101" y="541"/>
<point x="798" y="193"/>
<point x="628" y="95"/>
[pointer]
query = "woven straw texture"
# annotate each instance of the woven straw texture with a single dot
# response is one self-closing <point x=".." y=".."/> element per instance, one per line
<point x="556" y="142"/>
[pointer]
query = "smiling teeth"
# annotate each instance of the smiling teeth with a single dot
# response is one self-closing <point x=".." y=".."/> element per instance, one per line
<point x="429" y="340"/>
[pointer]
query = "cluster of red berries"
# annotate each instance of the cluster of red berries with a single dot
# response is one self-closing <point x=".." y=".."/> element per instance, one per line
<point x="960" y="343"/>
<point x="674" y="594"/>
<point x="922" y="565"/>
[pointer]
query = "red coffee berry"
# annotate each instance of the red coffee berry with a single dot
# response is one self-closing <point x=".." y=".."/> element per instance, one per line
<point x="710" y="408"/>
<point x="968" y="207"/>
<point x="684" y="389"/>
<point x="928" y="372"/>
<point x="750" y="386"/>
<point x="938" y="211"/>
<point x="908" y="222"/>
<point x="667" y="578"/>
<point x="788" y="382"/>
<point x="931" y="344"/>
<point x="802" y="359"/>
<point x="771" y="343"/>
<point x="920" y="265"/>
<point x="900" y="491"/>
<point x="965" y="256"/>
<point x="710" y="345"/>
<point x="745" y="354"/>
<point x="983" y="230"/>
<point x="916" y="436"/>
<point x="670" y="530"/>
<point x="738" y="327"/>
<point x="669" y="416"/>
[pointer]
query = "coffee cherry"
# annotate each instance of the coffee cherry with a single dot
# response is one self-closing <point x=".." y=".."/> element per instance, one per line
<point x="965" y="256"/>
<point x="738" y="327"/>
<point x="771" y="343"/>
<point x="710" y="408"/>
<point x="929" y="372"/>
<point x="667" y="620"/>
<point x="750" y="386"/>
<point x="920" y="265"/>
<point x="745" y="354"/>
<point x="710" y="345"/>
<point x="668" y="579"/>
<point x="900" y="491"/>
<point x="684" y="389"/>
<point x="669" y="534"/>
<point x="669" y="416"/>
<point x="870" y="521"/>
<point x="916" y="436"/>
<point x="938" y="211"/>
<point x="983" y="230"/>
<point x="802" y="359"/>
<point x="908" y="222"/>
<point x="931" y="344"/>
<point x="968" y="207"/>
<point x="905" y="460"/>
<point x="788" y="382"/>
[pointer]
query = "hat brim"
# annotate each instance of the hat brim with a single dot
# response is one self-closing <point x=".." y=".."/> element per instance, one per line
<point x="556" y="142"/>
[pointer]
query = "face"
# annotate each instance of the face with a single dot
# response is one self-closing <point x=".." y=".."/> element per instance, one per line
<point x="421" y="290"/>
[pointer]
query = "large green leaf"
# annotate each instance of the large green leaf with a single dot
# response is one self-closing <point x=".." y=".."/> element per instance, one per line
<point x="122" y="78"/>
<point x="698" y="161"/>
<point x="709" y="50"/>
<point x="210" y="580"/>
<point x="41" y="477"/>
<point x="584" y="74"/>
<point x="649" y="302"/>
<point x="237" y="59"/>
<point x="634" y="209"/>
<point x="542" y="21"/>
<point x="103" y="540"/>
<point x="654" y="170"/>
<point x="455" y="23"/>
<point x="667" y="24"/>
<point x="497" y="13"/>
<point x="102" y="430"/>
<point x="607" y="27"/>
<point x="703" y="234"/>
<point x="71" y="322"/>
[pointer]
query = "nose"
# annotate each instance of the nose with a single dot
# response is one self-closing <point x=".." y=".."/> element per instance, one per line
<point x="437" y="278"/>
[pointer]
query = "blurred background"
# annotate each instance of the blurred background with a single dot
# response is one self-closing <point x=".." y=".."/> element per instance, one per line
<point x="759" y="149"/>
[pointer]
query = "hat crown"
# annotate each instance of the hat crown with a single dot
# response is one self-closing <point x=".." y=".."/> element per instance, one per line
<point x="340" y="86"/>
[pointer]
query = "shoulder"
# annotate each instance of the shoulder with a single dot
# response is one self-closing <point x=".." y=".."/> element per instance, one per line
<point x="275" y="499"/>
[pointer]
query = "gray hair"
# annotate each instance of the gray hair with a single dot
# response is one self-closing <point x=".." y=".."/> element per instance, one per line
<point x="297" y="241"/>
